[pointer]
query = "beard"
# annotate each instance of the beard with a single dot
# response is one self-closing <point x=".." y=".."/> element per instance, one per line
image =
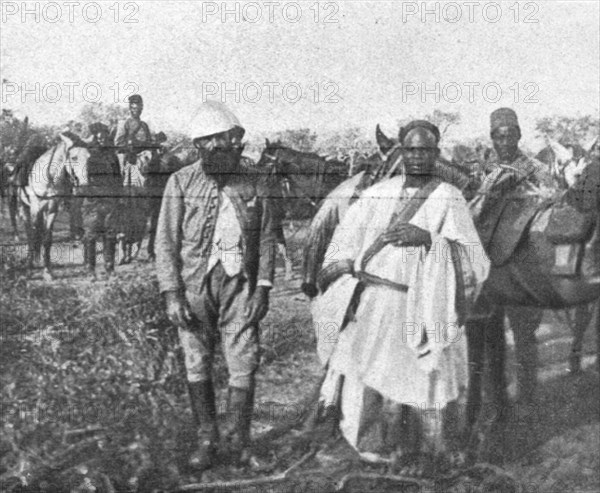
<point x="221" y="163"/>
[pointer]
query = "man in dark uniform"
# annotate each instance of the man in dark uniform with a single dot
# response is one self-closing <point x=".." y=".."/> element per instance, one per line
<point x="101" y="199"/>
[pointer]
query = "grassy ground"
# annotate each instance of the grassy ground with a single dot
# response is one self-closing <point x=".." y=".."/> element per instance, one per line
<point x="92" y="389"/>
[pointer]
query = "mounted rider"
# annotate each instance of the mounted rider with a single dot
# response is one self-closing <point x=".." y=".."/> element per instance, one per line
<point x="132" y="134"/>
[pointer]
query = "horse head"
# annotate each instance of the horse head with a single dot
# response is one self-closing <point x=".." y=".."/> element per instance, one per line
<point x="76" y="159"/>
<point x="566" y="162"/>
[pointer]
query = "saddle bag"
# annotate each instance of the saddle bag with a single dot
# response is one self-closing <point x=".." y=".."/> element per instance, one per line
<point x="568" y="229"/>
<point x="567" y="225"/>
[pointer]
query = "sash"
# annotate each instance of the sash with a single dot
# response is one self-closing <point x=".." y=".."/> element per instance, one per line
<point x="401" y="216"/>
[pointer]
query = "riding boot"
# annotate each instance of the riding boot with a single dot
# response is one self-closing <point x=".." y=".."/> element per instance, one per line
<point x="240" y="405"/>
<point x="110" y="246"/>
<point x="202" y="398"/>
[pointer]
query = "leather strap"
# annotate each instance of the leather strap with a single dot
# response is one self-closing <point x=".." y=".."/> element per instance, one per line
<point x="402" y="216"/>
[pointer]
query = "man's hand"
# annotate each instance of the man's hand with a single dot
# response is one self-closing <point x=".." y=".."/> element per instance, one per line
<point x="257" y="306"/>
<point x="408" y="235"/>
<point x="178" y="311"/>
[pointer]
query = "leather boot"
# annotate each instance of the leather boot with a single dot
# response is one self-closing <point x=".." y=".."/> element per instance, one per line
<point x="240" y="406"/>
<point x="202" y="398"/>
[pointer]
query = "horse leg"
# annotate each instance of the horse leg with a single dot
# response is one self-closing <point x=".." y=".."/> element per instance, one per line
<point x="89" y="253"/>
<point x="495" y="386"/>
<point x="524" y="321"/>
<point x="583" y="316"/>
<point x="476" y="351"/>
<point x="47" y="245"/>
<point x="13" y="207"/>
<point x="30" y="233"/>
<point x="154" y="213"/>
<point x="598" y="336"/>
<point x="75" y="218"/>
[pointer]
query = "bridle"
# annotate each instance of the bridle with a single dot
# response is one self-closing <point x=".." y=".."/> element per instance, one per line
<point x="289" y="181"/>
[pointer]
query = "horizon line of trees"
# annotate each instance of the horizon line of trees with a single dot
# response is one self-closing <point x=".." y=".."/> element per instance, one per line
<point x="348" y="142"/>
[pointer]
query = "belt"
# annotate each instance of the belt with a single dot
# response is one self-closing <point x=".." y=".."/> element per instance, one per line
<point x="333" y="272"/>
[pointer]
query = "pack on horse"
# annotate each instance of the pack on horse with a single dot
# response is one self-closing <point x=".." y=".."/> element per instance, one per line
<point x="60" y="169"/>
<point x="566" y="163"/>
<point x="298" y="182"/>
<point x="526" y="242"/>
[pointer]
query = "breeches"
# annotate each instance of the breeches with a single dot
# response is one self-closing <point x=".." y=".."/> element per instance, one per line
<point x="219" y="315"/>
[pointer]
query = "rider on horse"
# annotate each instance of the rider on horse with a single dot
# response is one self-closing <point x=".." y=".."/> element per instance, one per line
<point x="132" y="133"/>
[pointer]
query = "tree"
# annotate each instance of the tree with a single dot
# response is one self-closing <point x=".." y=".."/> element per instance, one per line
<point x="442" y="119"/>
<point x="108" y="114"/>
<point x="301" y="139"/>
<point x="569" y="130"/>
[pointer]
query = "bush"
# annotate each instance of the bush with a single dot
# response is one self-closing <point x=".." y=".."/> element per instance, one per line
<point x="89" y="377"/>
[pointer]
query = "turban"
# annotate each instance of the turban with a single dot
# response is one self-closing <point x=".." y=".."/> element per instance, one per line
<point x="503" y="117"/>
<point x="419" y="124"/>
<point x="136" y="98"/>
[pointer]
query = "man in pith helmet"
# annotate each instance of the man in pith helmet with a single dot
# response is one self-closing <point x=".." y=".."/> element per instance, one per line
<point x="215" y="248"/>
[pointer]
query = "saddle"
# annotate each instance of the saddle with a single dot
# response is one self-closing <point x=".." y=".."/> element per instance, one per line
<point x="502" y="225"/>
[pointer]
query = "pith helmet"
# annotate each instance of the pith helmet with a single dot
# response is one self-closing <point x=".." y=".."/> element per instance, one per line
<point x="212" y="118"/>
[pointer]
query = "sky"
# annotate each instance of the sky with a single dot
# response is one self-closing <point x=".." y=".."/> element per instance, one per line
<point x="318" y="65"/>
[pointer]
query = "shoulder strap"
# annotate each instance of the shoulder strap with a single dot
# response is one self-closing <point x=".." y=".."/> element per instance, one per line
<point x="404" y="215"/>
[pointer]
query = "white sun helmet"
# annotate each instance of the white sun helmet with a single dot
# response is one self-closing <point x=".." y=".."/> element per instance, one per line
<point x="212" y="118"/>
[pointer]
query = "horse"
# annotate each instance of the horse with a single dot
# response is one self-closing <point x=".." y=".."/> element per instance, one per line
<point x="525" y="278"/>
<point x="166" y="164"/>
<point x="305" y="177"/>
<point x="144" y="183"/>
<point x="9" y="194"/>
<point x="523" y="274"/>
<point x="14" y="167"/>
<point x="63" y="166"/>
<point x="566" y="164"/>
<point x="297" y="182"/>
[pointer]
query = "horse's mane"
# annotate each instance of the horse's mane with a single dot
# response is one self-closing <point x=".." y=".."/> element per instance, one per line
<point x="76" y="139"/>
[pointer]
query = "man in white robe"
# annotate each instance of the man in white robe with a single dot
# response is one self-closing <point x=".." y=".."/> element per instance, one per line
<point x="401" y="257"/>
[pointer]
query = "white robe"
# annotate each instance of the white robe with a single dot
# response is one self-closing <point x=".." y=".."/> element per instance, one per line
<point x="383" y="347"/>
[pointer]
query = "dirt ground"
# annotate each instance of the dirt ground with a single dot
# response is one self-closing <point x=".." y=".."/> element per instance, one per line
<point x="561" y="453"/>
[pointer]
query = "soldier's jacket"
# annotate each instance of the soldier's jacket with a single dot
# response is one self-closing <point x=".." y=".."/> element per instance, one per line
<point x="132" y="131"/>
<point x="184" y="237"/>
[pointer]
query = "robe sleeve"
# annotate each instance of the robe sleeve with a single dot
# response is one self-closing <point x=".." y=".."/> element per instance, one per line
<point x="458" y="229"/>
